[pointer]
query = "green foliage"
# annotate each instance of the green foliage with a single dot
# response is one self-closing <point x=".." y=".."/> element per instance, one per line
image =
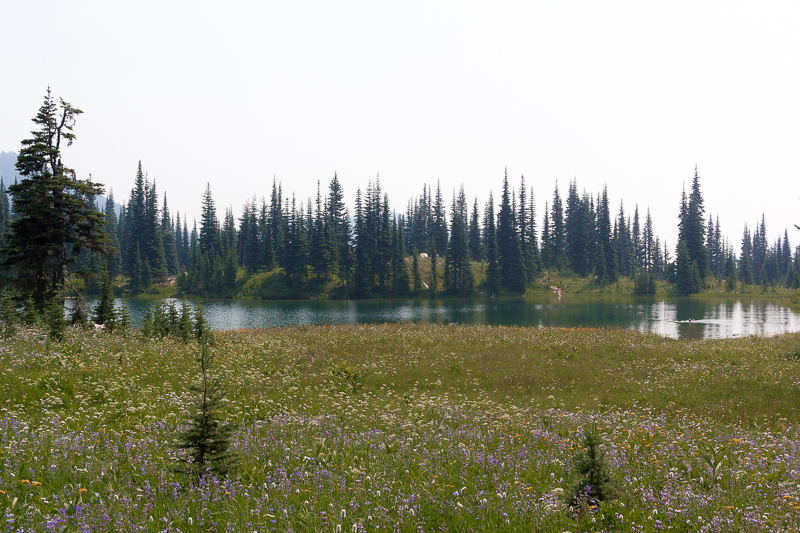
<point x="645" y="283"/>
<point x="55" y="213"/>
<point x="104" y="312"/>
<point x="492" y="258"/>
<point x="54" y="320"/>
<point x="433" y="286"/>
<point x="201" y="328"/>
<point x="350" y="377"/>
<point x="716" y="460"/>
<point x="595" y="485"/>
<point x="8" y="313"/>
<point x="163" y="319"/>
<point x="30" y="314"/>
<point x="684" y="282"/>
<point x="79" y="315"/>
<point x="124" y="323"/>
<point x="147" y="322"/>
<point x="207" y="439"/>
<point x="795" y="297"/>
<point x="185" y="328"/>
<point x="509" y="251"/>
<point x="415" y="274"/>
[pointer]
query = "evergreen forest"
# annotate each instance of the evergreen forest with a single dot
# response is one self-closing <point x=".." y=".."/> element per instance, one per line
<point x="280" y="246"/>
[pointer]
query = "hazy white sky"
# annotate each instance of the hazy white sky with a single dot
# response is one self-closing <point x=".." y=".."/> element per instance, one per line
<point x="631" y="94"/>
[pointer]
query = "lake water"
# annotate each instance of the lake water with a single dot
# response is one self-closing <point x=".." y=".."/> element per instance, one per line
<point x="684" y="318"/>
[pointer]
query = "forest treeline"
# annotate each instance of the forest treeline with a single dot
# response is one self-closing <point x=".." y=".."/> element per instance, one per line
<point x="317" y="247"/>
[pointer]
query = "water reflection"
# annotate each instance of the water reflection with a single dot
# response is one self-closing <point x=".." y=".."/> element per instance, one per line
<point x="673" y="317"/>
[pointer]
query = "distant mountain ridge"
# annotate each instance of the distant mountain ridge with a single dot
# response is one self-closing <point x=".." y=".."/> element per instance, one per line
<point x="8" y="173"/>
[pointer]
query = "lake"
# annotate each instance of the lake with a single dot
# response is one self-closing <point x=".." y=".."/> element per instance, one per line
<point x="684" y="318"/>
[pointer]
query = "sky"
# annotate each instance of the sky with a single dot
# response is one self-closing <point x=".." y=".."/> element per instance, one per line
<point x="632" y="95"/>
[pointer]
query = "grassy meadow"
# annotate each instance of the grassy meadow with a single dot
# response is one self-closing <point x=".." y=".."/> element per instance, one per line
<point x="402" y="428"/>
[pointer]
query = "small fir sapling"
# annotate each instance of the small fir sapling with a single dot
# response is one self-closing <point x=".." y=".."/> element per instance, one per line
<point x="185" y="326"/>
<point x="207" y="438"/>
<point x="123" y="324"/>
<point x="595" y="485"/>
<point x="30" y="314"/>
<point x="172" y="317"/>
<point x="104" y="313"/>
<point x="201" y="329"/>
<point x="147" y="322"/>
<point x="54" y="320"/>
<point x="160" y="320"/>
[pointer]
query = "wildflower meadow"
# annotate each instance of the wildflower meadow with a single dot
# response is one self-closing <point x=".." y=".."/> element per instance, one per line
<point x="401" y="428"/>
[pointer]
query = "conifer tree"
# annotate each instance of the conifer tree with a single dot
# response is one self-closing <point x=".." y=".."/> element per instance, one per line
<point x="56" y="214"/>
<point x="402" y="283"/>
<point x="492" y="266"/>
<point x="322" y="246"/>
<point x="439" y="221"/>
<point x="227" y="234"/>
<point x="104" y="312"/>
<point x="339" y="229"/>
<point x="384" y="247"/>
<point x="509" y="252"/>
<point x="623" y="243"/>
<point x="54" y="319"/>
<point x="648" y="243"/>
<point x="557" y="233"/>
<point x="207" y="439"/>
<point x="547" y="247"/>
<point x="595" y="484"/>
<point x="579" y="229"/>
<point x="187" y="249"/>
<point x="251" y="245"/>
<point x="5" y="215"/>
<point x="134" y="225"/>
<point x="476" y="249"/>
<point x="600" y="268"/>
<point x="208" y="238"/>
<point x="604" y="237"/>
<point x="433" y="286"/>
<point x="113" y="260"/>
<point x="136" y="274"/>
<point x="362" y="275"/>
<point x="745" y="262"/>
<point x="636" y="241"/>
<point x="276" y="222"/>
<point x="684" y="283"/>
<point x="180" y="249"/>
<point x="730" y="272"/>
<point x="458" y="270"/>
<point x="415" y="274"/>
<point x="528" y="240"/>
<point x="168" y="240"/>
<point x="266" y="251"/>
<point x="693" y="232"/>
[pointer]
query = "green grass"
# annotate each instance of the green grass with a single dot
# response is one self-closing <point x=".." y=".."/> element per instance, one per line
<point x="465" y="428"/>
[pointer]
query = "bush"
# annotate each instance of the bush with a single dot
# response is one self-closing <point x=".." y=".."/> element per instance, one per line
<point x="796" y="297"/>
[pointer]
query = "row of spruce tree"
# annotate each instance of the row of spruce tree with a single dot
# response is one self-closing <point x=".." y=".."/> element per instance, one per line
<point x="317" y="243"/>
